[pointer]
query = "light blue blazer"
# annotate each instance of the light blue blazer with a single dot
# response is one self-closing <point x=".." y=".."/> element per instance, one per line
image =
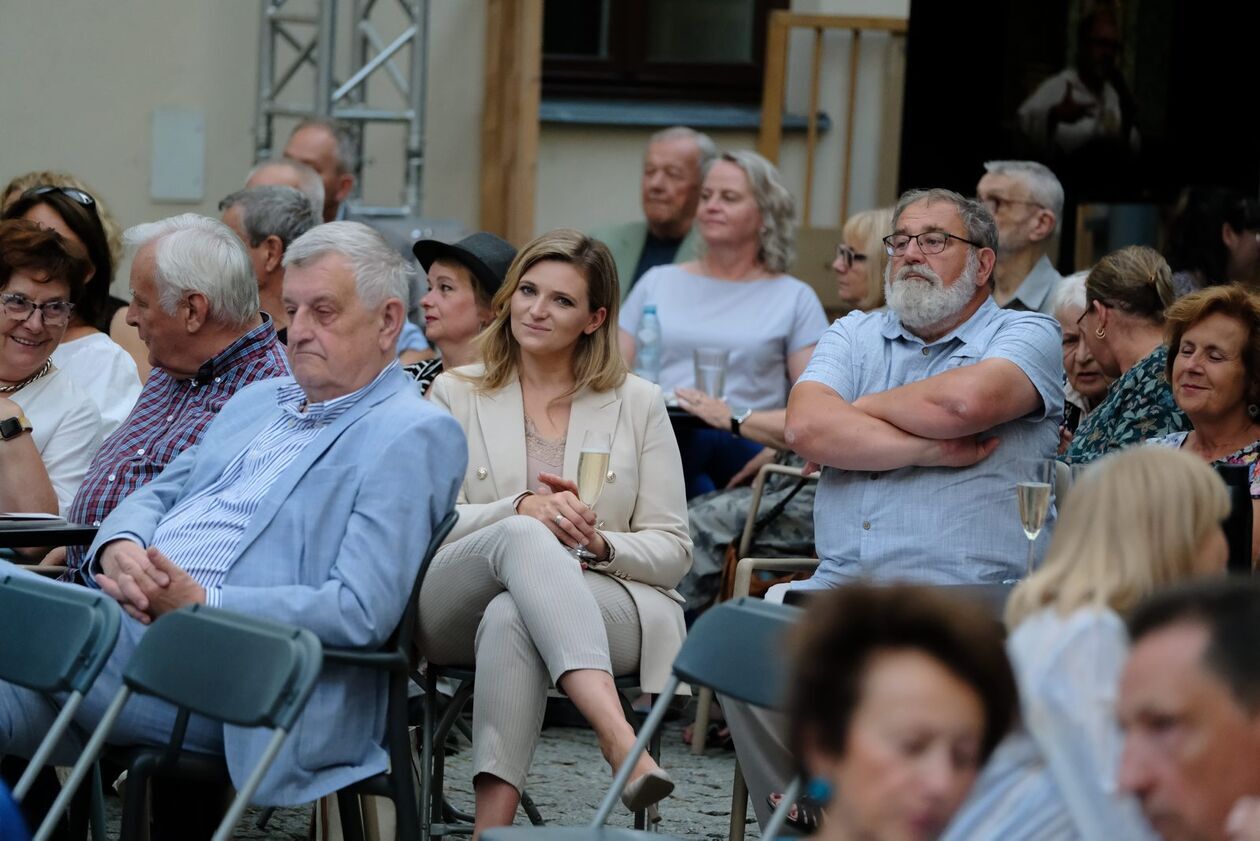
<point x="334" y="547"/>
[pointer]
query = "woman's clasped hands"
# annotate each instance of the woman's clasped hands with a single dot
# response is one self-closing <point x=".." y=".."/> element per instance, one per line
<point x="557" y="506"/>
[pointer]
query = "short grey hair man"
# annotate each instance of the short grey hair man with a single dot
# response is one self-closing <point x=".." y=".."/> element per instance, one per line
<point x="704" y="144"/>
<point x="193" y="291"/>
<point x="328" y="147"/>
<point x="669" y="191"/>
<point x="268" y="220"/>
<point x="287" y="172"/>
<point x="196" y="254"/>
<point x="1026" y="200"/>
<point x="380" y="273"/>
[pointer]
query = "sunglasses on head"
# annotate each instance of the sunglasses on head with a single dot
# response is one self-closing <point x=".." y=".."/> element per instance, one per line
<point x="75" y="195"/>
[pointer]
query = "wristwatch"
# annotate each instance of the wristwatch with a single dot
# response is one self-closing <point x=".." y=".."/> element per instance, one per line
<point x="738" y="418"/>
<point x="14" y="426"/>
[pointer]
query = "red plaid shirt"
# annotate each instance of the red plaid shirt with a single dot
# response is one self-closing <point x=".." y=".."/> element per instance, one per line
<point x="169" y="417"/>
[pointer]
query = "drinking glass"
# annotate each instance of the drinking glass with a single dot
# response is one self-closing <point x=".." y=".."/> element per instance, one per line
<point x="1033" y="496"/>
<point x="711" y="370"/>
<point x="592" y="471"/>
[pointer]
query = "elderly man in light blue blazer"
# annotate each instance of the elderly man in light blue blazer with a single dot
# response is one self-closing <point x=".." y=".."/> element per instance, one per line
<point x="310" y="500"/>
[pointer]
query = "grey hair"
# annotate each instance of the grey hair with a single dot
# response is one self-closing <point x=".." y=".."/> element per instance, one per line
<point x="1069" y="292"/>
<point x="1043" y="186"/>
<point x="778" y="210"/>
<point x="976" y="218"/>
<point x="380" y="273"/>
<point x="309" y="182"/>
<point x="343" y="135"/>
<point x="195" y="253"/>
<point x="272" y="211"/>
<point x="704" y="144"/>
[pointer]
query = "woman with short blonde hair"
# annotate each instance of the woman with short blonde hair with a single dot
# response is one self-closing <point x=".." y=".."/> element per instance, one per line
<point x="1135" y="522"/>
<point x="862" y="242"/>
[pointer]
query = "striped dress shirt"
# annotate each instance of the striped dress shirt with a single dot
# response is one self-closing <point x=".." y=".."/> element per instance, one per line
<point x="201" y="533"/>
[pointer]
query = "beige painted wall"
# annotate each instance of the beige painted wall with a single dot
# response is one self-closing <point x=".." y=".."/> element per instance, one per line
<point x="589" y="176"/>
<point x="84" y="77"/>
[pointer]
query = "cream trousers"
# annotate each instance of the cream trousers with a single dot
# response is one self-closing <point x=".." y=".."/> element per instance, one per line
<point x="511" y="599"/>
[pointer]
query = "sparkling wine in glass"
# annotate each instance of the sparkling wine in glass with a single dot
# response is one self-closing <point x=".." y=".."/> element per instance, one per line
<point x="592" y="472"/>
<point x="1034" y="504"/>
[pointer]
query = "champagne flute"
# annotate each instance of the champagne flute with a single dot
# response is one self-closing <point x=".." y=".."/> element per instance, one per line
<point x="1034" y="504"/>
<point x="592" y="472"/>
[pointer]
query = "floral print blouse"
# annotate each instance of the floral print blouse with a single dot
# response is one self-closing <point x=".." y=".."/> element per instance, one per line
<point x="1138" y="406"/>
<point x="1248" y="456"/>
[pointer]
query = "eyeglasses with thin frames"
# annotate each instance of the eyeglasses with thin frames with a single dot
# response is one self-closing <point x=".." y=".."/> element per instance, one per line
<point x="930" y="242"/>
<point x="994" y="204"/>
<point x="19" y="308"/>
<point x="848" y="256"/>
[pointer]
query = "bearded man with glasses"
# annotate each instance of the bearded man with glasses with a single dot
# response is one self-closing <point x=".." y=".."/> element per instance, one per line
<point x="926" y="415"/>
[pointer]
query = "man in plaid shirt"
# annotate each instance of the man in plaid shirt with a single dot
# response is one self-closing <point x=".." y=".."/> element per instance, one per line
<point x="195" y="304"/>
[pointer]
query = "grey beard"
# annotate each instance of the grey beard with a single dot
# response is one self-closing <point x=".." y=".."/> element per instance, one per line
<point x="926" y="303"/>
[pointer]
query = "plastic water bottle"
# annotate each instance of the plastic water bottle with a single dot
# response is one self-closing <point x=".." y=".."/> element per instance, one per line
<point x="647" y="345"/>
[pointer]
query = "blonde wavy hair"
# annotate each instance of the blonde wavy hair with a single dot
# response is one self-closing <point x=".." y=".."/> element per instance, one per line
<point x="1133" y="523"/>
<point x="597" y="362"/>
<point x="869" y="227"/>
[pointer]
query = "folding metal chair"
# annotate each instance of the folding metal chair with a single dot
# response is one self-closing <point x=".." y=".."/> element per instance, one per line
<point x="55" y="639"/>
<point x="719" y="647"/>
<point x="395" y="658"/>
<point x="247" y="672"/>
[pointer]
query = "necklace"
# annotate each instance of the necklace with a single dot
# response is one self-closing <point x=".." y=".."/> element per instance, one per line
<point x="9" y="389"/>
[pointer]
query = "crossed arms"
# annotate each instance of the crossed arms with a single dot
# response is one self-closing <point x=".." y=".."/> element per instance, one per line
<point x="938" y="421"/>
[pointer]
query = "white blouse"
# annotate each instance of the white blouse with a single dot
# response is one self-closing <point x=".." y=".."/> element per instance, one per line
<point x="66" y="427"/>
<point x="105" y="372"/>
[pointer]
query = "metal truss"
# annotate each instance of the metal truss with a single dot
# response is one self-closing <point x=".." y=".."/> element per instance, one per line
<point x="298" y="35"/>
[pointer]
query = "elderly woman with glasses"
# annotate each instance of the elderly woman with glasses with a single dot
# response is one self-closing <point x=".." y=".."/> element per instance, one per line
<point x="1123" y="329"/>
<point x="100" y="351"/>
<point x="49" y="430"/>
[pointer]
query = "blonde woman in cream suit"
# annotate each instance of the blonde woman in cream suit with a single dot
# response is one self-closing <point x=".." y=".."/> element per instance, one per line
<point x="504" y="592"/>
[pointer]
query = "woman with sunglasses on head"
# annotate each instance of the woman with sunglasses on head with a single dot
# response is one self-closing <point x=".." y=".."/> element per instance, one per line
<point x="49" y="430"/>
<point x="100" y="365"/>
<point x="1123" y="329"/>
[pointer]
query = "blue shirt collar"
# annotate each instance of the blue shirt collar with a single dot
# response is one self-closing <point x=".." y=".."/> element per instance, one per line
<point x="967" y="332"/>
<point x="292" y="400"/>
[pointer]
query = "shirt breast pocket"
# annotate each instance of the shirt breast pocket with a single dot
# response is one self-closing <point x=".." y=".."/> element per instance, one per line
<point x="961" y="357"/>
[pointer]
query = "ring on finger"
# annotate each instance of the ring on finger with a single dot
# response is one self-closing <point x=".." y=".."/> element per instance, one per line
<point x="559" y="519"/>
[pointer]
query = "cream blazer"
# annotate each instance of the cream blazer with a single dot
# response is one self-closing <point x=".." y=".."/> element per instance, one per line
<point x="643" y="504"/>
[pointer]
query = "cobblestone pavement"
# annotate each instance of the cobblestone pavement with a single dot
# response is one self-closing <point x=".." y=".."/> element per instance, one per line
<point x="567" y="780"/>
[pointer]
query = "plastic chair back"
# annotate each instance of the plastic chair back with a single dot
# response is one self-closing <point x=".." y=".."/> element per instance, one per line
<point x="737" y="649"/>
<point x="54" y="637"/>
<point x="185" y="655"/>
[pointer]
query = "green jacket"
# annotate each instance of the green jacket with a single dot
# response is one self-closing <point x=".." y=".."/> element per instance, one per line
<point x="625" y="241"/>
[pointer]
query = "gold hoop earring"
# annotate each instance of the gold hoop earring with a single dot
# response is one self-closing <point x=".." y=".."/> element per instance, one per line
<point x="1100" y="333"/>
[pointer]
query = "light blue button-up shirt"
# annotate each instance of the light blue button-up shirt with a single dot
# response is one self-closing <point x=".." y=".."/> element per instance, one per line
<point x="936" y="525"/>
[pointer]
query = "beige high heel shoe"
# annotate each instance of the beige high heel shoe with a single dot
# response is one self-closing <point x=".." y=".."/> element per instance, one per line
<point x="646" y="791"/>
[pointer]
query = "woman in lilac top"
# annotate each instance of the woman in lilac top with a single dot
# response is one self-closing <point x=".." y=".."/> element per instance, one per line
<point x="737" y="297"/>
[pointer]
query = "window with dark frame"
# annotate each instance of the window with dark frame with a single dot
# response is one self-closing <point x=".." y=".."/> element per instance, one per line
<point x="690" y="50"/>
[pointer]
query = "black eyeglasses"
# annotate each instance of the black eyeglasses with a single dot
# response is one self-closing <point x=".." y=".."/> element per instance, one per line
<point x="848" y="256"/>
<point x="995" y="203"/>
<point x="930" y="242"/>
<point x="19" y="308"/>
<point x="71" y="193"/>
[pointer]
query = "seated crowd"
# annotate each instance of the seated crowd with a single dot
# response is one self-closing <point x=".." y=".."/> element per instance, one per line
<point x="281" y="415"/>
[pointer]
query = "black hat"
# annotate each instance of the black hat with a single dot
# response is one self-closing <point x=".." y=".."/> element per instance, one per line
<point x="485" y="255"/>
